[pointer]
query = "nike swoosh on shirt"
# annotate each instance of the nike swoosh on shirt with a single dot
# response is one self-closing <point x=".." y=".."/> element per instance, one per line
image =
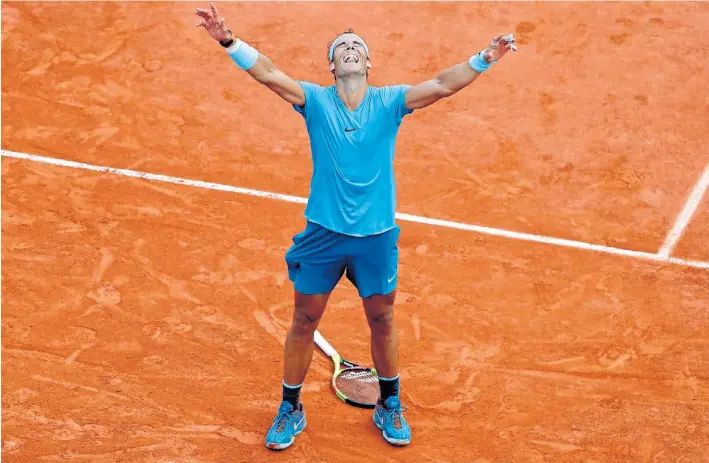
<point x="391" y="279"/>
<point x="350" y="130"/>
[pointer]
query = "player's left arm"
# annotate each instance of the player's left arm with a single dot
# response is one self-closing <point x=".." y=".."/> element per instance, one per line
<point x="457" y="77"/>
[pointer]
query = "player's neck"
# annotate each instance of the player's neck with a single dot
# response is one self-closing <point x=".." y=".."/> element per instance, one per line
<point x="352" y="90"/>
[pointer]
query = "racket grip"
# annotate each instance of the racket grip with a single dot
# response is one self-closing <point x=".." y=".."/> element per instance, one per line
<point x="323" y="344"/>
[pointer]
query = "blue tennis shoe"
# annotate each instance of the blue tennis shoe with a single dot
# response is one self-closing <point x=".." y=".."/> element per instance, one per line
<point x="289" y="423"/>
<point x="389" y="417"/>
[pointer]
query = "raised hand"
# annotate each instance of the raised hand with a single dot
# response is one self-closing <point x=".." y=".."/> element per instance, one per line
<point x="498" y="47"/>
<point x="209" y="19"/>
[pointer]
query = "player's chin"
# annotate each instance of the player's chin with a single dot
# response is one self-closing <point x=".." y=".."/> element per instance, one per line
<point x="351" y="69"/>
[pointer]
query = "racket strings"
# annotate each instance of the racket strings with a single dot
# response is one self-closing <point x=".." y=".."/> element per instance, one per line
<point x="359" y="385"/>
<point x="363" y="376"/>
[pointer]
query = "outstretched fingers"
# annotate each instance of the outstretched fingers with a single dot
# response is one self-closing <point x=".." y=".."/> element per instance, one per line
<point x="214" y="10"/>
<point x="206" y="14"/>
<point x="507" y="42"/>
<point x="510" y="41"/>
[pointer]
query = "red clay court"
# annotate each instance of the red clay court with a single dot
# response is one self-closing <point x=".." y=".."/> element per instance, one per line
<point x="143" y="317"/>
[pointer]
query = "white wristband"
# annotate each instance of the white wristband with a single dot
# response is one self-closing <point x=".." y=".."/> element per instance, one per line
<point x="242" y="54"/>
<point x="478" y="63"/>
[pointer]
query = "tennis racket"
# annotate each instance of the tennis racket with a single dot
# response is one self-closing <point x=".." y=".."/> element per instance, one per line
<point x="354" y="384"/>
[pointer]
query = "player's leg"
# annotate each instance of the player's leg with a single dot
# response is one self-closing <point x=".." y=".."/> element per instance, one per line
<point x="315" y="267"/>
<point x="379" y="310"/>
<point x="388" y="413"/>
<point x="298" y="352"/>
<point x="290" y="420"/>
<point x="373" y="269"/>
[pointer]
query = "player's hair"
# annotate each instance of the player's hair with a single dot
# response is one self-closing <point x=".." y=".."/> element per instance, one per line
<point x="348" y="31"/>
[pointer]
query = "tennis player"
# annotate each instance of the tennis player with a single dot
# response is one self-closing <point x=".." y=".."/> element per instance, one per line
<point x="350" y="225"/>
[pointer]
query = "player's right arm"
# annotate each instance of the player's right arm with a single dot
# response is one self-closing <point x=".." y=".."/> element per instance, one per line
<point x="259" y="66"/>
<point x="266" y="73"/>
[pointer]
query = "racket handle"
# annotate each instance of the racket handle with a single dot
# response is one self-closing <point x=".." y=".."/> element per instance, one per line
<point x="323" y="344"/>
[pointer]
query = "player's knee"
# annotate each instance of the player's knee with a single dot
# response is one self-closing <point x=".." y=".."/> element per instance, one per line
<point x="382" y="323"/>
<point x="304" y="325"/>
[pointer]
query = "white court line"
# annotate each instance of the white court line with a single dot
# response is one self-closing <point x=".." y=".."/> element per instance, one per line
<point x="350" y="1"/>
<point x="400" y="216"/>
<point x="686" y="215"/>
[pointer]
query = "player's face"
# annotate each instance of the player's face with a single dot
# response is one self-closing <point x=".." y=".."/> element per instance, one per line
<point x="349" y="57"/>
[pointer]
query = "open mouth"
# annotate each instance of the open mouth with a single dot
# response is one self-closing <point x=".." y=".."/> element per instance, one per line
<point x="350" y="58"/>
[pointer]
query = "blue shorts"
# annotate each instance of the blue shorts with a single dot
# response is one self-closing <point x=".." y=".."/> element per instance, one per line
<point x="319" y="257"/>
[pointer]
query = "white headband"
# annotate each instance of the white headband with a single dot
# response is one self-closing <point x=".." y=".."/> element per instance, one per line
<point x="331" y="54"/>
